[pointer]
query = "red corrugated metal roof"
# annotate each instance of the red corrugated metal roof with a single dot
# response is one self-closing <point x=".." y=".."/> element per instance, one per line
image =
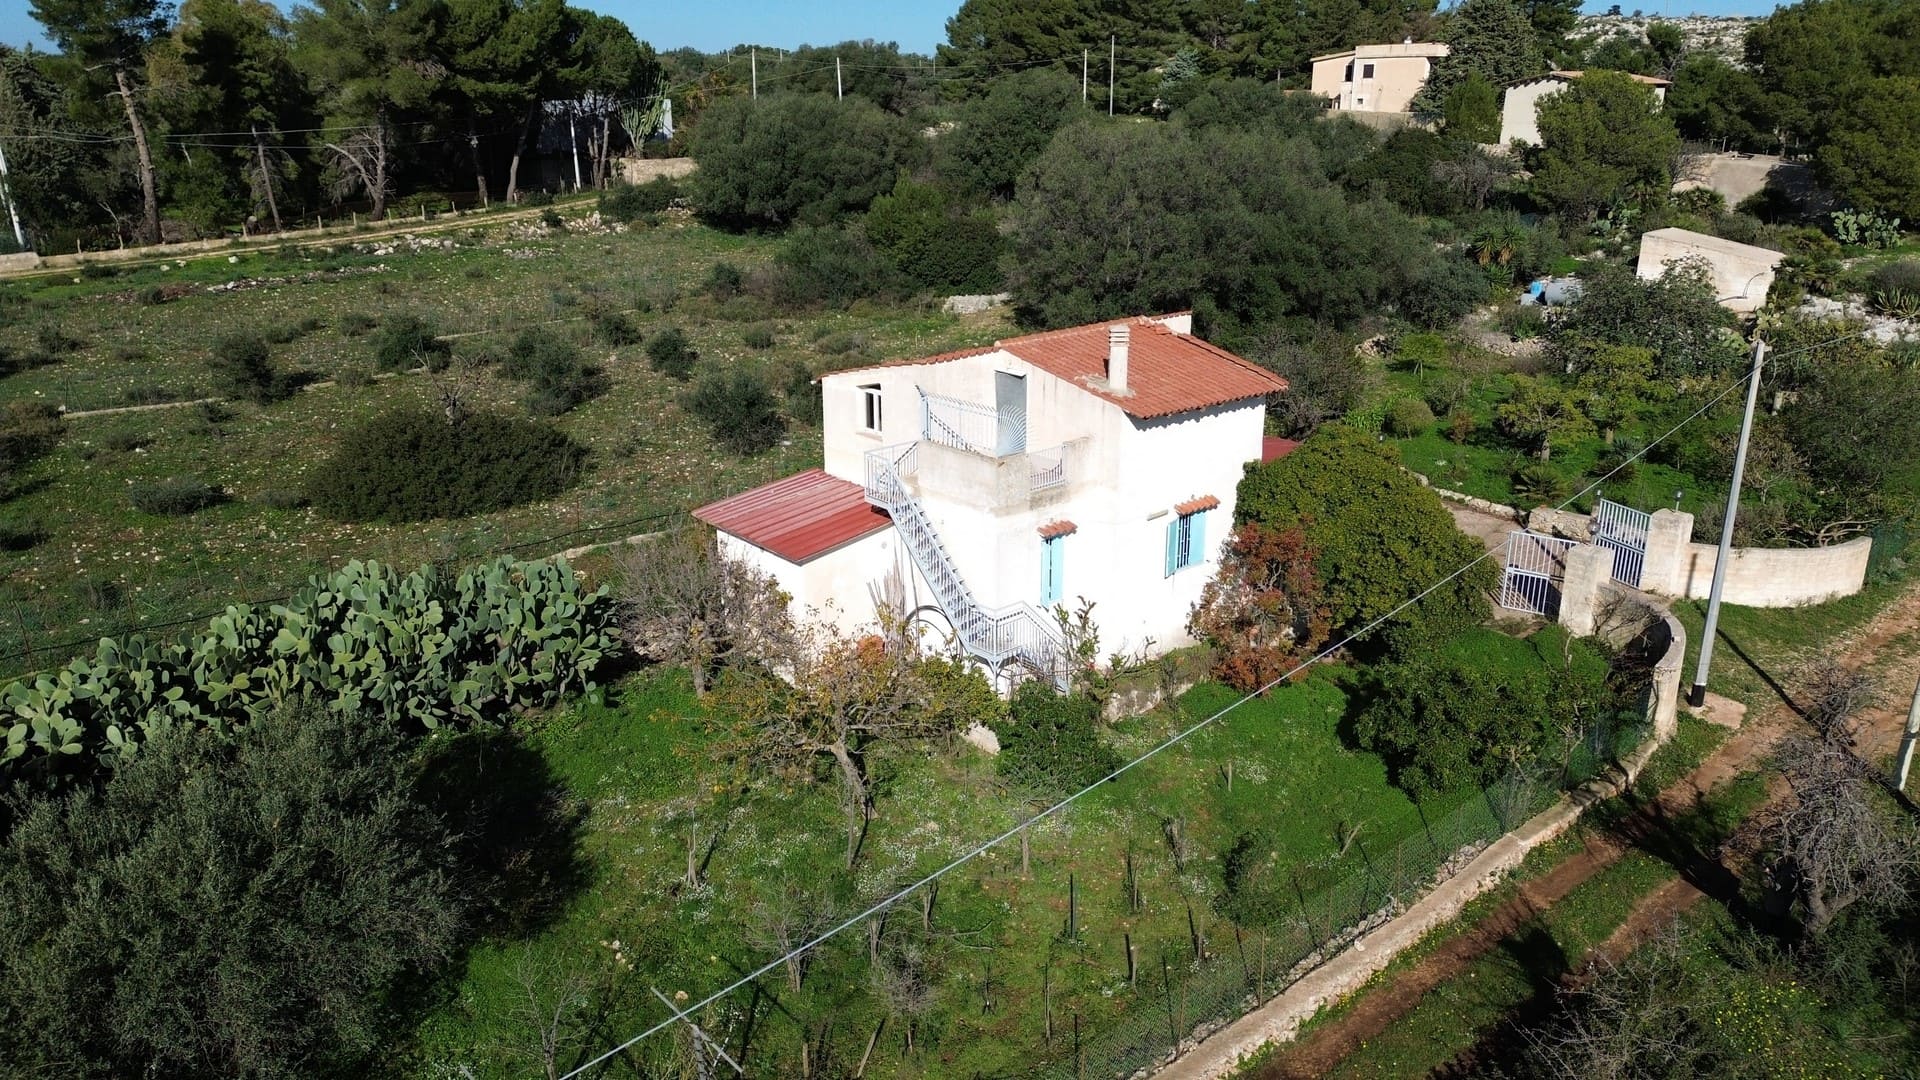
<point x="803" y="516"/>
<point x="1167" y="373"/>
<point x="1273" y="447"/>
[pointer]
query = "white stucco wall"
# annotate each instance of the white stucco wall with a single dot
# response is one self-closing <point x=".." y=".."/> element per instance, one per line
<point x="1124" y="477"/>
<point x="1399" y="71"/>
<point x="838" y="586"/>
<point x="1778" y="577"/>
<point x="1519" y="110"/>
<point x="1741" y="273"/>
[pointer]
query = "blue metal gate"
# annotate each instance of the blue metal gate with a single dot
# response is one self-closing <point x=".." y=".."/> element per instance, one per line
<point x="1623" y="530"/>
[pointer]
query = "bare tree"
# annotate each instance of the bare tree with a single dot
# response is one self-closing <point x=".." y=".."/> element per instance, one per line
<point x="688" y="604"/>
<point x="358" y="165"/>
<point x="1621" y="1021"/>
<point x="837" y="698"/>
<point x="904" y="982"/>
<point x="1840" y="842"/>
<point x="789" y="913"/>
<point x="1473" y="176"/>
<point x="555" y="998"/>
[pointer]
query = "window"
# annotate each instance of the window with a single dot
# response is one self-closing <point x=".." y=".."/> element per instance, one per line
<point x="1366" y="71"/>
<point x="870" y="411"/>
<point x="1186" y="541"/>
<point x="1052" y="549"/>
<point x="1348" y="77"/>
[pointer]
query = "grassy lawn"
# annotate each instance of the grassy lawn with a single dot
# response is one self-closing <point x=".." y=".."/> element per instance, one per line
<point x="997" y="943"/>
<point x="105" y="567"/>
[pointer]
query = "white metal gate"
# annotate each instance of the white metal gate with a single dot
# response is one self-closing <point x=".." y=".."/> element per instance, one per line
<point x="1536" y="565"/>
<point x="1623" y="530"/>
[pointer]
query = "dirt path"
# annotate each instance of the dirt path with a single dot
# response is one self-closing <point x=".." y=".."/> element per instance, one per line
<point x="1325" y="1047"/>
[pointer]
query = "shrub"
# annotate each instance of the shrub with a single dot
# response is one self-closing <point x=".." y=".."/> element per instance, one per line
<point x="353" y="376"/>
<point x="408" y="341"/>
<point x="803" y="396"/>
<point x="1894" y="288"/>
<point x="536" y="349"/>
<point x="355" y="323"/>
<point x="631" y="202"/>
<point x="670" y="354"/>
<point x="1441" y="292"/>
<point x="931" y="242"/>
<point x="1460" y="425"/>
<point x="175" y="496"/>
<point x="740" y="408"/>
<point x="1447" y="391"/>
<point x="21" y="535"/>
<point x="283" y="499"/>
<point x="551" y="219"/>
<point x="831" y="267"/>
<point x="53" y="340"/>
<point x="1050" y="744"/>
<point x="1539" y="483"/>
<point x="796" y="158"/>
<point x="758" y="336"/>
<point x="412" y="464"/>
<point x="613" y="327"/>
<point x="243" y="368"/>
<point x="126" y="442"/>
<point x="536" y="197"/>
<point x="724" y="281"/>
<point x="28" y="430"/>
<point x="1408" y="417"/>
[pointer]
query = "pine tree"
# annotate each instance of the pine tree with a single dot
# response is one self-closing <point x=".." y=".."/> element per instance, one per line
<point x="1492" y="37"/>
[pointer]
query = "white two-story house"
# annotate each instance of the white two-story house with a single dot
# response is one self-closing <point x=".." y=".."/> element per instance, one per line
<point x="980" y="489"/>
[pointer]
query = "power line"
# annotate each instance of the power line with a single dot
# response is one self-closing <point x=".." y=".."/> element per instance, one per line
<point x="1163" y="746"/>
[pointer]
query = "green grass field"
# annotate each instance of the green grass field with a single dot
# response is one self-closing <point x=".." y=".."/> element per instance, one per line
<point x="105" y="567"/>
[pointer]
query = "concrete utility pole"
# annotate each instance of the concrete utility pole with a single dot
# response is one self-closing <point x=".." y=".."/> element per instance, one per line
<point x="6" y="196"/>
<point x="1905" y="759"/>
<point x="1699" y="695"/>
<point x="1083" y="76"/>
<point x="839" y="89"/>
<point x="1112" y="54"/>
<point x="753" y="70"/>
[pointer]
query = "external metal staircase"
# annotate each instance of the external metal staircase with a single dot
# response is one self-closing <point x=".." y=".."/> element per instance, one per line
<point x="1017" y="635"/>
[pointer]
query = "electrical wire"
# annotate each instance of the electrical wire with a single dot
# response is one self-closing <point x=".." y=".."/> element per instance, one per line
<point x="1155" y="751"/>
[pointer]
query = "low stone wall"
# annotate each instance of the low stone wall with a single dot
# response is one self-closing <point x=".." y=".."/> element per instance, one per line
<point x="19" y="261"/>
<point x="641" y="170"/>
<point x="1777" y="577"/>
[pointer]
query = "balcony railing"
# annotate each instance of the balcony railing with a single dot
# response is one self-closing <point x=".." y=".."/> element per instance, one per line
<point x="1047" y="468"/>
<point x="963" y="425"/>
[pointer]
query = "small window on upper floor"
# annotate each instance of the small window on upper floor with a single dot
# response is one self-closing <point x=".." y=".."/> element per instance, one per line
<point x="1348" y="77"/>
<point x="1366" y="72"/>
<point x="870" y="406"/>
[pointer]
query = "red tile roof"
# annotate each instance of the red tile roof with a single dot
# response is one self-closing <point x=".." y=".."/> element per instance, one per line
<point x="803" y="516"/>
<point x="1273" y="447"/>
<point x="1057" y="528"/>
<point x="1167" y="373"/>
<point x="1194" y="506"/>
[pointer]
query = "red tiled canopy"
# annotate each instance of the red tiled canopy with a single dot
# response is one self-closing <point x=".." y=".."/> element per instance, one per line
<point x="1057" y="528"/>
<point x="1194" y="506"/>
<point x="799" y="518"/>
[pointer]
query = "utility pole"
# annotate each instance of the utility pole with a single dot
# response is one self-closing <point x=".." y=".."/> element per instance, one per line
<point x="1902" y="762"/>
<point x="6" y="196"/>
<point x="1112" y="54"/>
<point x="753" y="70"/>
<point x="839" y="89"/>
<point x="1083" y="76"/>
<point x="1699" y="695"/>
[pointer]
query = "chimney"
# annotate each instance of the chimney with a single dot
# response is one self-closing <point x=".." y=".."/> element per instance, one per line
<point x="1117" y="336"/>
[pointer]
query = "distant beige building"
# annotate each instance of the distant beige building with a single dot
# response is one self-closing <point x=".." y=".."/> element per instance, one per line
<point x="1520" y="112"/>
<point x="1741" y="273"/>
<point x="1376" y="78"/>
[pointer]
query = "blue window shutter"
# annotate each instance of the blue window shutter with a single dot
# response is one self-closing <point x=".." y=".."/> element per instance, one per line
<point x="1051" y="551"/>
<point x="1173" y="546"/>
<point x="1197" y="546"/>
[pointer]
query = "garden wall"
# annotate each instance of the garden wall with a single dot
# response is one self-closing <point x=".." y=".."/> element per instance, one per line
<point x="1777" y="577"/>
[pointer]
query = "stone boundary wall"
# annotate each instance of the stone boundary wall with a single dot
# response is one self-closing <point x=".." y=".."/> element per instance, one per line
<point x="1627" y="617"/>
<point x="642" y="170"/>
<point x="1777" y="577"/>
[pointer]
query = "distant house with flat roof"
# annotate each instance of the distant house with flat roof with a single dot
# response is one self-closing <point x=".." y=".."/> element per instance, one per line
<point x="1376" y="78"/>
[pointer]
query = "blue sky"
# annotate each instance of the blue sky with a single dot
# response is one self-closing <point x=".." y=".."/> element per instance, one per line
<point x="916" y="24"/>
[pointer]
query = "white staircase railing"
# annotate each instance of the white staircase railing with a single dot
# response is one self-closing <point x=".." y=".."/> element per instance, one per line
<point x="1018" y="633"/>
